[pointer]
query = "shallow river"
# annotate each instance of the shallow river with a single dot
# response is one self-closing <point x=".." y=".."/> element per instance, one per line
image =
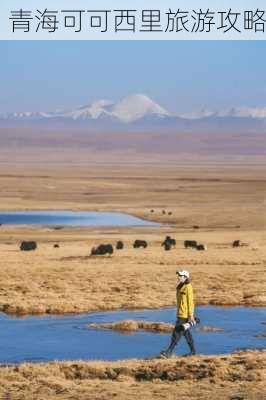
<point x="67" y="338"/>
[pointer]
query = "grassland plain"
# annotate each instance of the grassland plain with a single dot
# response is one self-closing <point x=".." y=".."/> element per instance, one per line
<point x="224" y="202"/>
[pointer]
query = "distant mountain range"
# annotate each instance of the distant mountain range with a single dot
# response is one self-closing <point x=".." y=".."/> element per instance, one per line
<point x="140" y="113"/>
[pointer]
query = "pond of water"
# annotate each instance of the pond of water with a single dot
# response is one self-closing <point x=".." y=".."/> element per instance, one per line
<point x="67" y="338"/>
<point x="71" y="218"/>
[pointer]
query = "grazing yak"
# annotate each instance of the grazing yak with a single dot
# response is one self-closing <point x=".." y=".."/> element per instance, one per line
<point x="168" y="243"/>
<point x="56" y="246"/>
<point x="119" y="245"/>
<point x="167" y="246"/>
<point x="28" y="246"/>
<point x="190" y="243"/>
<point x="102" y="249"/>
<point x="236" y="243"/>
<point x="201" y="247"/>
<point x="140" y="243"/>
<point x="172" y="241"/>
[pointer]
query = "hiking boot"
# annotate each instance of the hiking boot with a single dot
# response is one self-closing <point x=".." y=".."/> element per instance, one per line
<point x="165" y="354"/>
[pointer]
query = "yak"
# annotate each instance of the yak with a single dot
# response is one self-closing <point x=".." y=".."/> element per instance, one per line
<point x="102" y="249"/>
<point x="140" y="243"/>
<point x="28" y="246"/>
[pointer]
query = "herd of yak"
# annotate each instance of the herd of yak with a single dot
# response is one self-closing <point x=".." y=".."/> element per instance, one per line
<point x="104" y="249"/>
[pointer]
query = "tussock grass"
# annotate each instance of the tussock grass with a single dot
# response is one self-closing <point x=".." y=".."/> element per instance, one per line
<point x="241" y="374"/>
<point x="133" y="325"/>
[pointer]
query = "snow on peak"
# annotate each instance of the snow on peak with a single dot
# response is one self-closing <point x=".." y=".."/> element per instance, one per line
<point x="238" y="112"/>
<point x="129" y="109"/>
<point x="247" y="112"/>
<point x="99" y="107"/>
<point x="135" y="107"/>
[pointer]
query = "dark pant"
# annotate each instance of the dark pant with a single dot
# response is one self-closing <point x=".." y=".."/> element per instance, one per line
<point x="176" y="336"/>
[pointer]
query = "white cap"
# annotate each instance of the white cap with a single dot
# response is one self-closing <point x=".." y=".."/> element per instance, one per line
<point x="183" y="273"/>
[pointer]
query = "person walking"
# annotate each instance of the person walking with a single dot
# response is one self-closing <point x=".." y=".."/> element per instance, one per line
<point x="185" y="314"/>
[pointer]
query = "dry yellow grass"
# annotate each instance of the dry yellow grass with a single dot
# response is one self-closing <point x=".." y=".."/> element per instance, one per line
<point x="67" y="280"/>
<point x="227" y="203"/>
<point x="238" y="376"/>
<point x="218" y="199"/>
<point x="133" y="325"/>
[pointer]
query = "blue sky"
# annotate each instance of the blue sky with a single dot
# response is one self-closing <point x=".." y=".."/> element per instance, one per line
<point x="181" y="76"/>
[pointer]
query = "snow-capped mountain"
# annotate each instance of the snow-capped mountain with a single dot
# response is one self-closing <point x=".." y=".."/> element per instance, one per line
<point x="139" y="112"/>
<point x="27" y="115"/>
<point x="237" y="112"/>
<point x="136" y="107"/>
<point x="130" y="109"/>
<point x="94" y="111"/>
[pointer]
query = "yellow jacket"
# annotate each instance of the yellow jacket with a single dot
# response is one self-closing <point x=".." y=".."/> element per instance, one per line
<point x="185" y="301"/>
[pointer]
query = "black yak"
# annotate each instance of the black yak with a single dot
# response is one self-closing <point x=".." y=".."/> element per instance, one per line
<point x="28" y="246"/>
<point x="140" y="243"/>
<point x="102" y="249"/>
<point x="190" y="243"/>
<point x="119" y="245"/>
